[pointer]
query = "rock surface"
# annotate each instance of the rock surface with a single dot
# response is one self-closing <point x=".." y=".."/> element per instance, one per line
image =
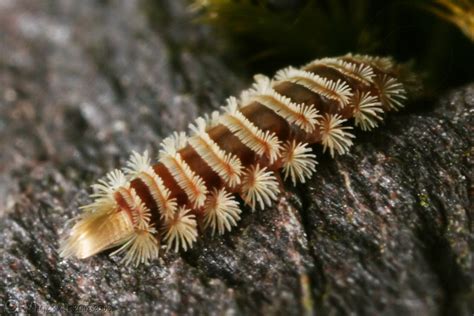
<point x="387" y="229"/>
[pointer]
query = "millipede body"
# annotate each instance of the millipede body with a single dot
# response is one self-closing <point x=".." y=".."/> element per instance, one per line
<point x="235" y="153"/>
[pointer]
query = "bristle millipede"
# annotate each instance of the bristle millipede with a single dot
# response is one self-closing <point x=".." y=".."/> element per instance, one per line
<point x="237" y="152"/>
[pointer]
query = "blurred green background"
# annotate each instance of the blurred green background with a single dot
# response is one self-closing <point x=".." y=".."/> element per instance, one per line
<point x="265" y="35"/>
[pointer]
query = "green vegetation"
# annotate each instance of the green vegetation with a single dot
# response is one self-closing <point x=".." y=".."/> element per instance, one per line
<point x="268" y="34"/>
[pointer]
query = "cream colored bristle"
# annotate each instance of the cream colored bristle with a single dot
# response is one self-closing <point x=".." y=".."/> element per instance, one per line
<point x="298" y="161"/>
<point x="392" y="92"/>
<point x="187" y="179"/>
<point x="181" y="231"/>
<point x="103" y="192"/>
<point x="137" y="163"/>
<point x="141" y="246"/>
<point x="212" y="119"/>
<point x="367" y="110"/>
<point x="334" y="135"/>
<point x="161" y="195"/>
<point x="261" y="142"/>
<point x="226" y="165"/>
<point x="363" y="73"/>
<point x="259" y="186"/>
<point x="139" y="166"/>
<point x="304" y="116"/>
<point x="141" y="214"/>
<point x="221" y="211"/>
<point x="172" y="144"/>
<point x="336" y="90"/>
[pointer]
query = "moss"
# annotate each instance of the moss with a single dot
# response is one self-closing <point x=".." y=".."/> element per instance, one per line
<point x="423" y="200"/>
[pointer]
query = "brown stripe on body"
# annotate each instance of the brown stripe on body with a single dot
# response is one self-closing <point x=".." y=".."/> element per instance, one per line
<point x="299" y="94"/>
<point x="355" y="85"/>
<point x="374" y="90"/>
<point x="332" y="106"/>
<point x="227" y="142"/>
<point x="192" y="159"/>
<point x="200" y="167"/>
<point x="170" y="183"/>
<point x="230" y="143"/>
<point x="144" y="193"/>
<point x="267" y="120"/>
<point x="122" y="202"/>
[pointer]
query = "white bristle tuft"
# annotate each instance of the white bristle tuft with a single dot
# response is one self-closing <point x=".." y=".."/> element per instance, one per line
<point x="259" y="186"/>
<point x="140" y="247"/>
<point x="334" y="135"/>
<point x="392" y="92"/>
<point x="172" y="144"/>
<point x="222" y="211"/>
<point x="181" y="231"/>
<point x="137" y="163"/>
<point x="298" y="161"/>
<point x="367" y="110"/>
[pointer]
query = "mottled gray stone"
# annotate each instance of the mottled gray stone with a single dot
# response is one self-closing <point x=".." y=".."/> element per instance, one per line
<point x="387" y="229"/>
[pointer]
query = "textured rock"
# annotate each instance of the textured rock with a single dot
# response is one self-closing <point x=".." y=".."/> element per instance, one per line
<point x="387" y="229"/>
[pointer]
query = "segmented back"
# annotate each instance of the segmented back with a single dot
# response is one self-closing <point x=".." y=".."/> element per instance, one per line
<point x="238" y="152"/>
